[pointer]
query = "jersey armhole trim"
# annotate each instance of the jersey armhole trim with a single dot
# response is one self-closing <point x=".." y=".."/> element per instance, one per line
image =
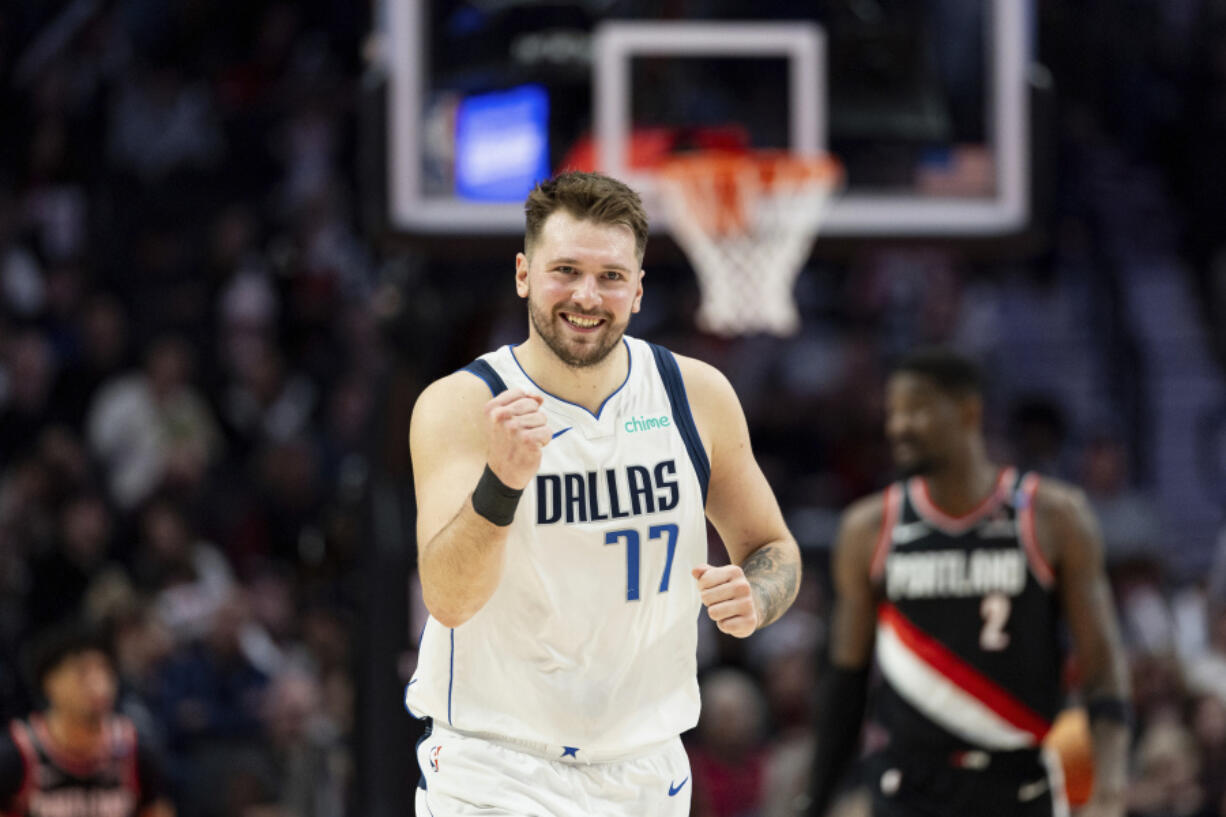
<point x="127" y="737"/>
<point x="674" y="386"/>
<point x="1030" y="541"/>
<point x="29" y="759"/>
<point x="485" y="371"/>
<point x="889" y="518"/>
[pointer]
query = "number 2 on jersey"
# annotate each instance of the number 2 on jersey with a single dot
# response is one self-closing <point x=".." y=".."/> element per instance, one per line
<point x="995" y="609"/>
<point x="631" y="538"/>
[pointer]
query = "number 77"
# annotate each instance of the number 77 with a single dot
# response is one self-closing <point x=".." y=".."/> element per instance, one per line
<point x="631" y="538"/>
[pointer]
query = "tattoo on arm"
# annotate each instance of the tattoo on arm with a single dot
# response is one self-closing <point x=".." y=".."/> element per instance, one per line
<point x="774" y="578"/>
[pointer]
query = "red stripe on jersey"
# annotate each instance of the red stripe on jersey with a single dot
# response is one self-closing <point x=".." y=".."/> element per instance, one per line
<point x="936" y="655"/>
<point x="918" y="488"/>
<point x="1030" y="541"/>
<point x="889" y="518"/>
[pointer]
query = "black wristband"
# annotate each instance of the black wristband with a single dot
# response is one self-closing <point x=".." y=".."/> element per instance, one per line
<point x="494" y="499"/>
<point x="1111" y="709"/>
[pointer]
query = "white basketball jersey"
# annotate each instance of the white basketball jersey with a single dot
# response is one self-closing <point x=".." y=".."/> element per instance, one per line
<point x="589" y="641"/>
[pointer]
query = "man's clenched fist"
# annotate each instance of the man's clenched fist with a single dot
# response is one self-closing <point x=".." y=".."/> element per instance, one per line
<point x="516" y="432"/>
<point x="728" y="598"/>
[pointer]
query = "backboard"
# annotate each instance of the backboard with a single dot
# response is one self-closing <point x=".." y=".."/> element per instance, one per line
<point x="923" y="101"/>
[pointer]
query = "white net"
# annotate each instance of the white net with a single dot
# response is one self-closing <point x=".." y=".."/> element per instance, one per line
<point x="747" y="224"/>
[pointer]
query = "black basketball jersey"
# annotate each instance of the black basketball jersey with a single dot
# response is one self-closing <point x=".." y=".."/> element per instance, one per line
<point x="57" y="784"/>
<point x="967" y="638"/>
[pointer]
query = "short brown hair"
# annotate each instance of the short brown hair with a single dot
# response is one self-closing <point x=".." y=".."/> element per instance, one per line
<point x="589" y="197"/>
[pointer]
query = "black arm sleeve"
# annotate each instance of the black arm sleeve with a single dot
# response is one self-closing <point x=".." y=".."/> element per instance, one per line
<point x="841" y="701"/>
<point x="12" y="771"/>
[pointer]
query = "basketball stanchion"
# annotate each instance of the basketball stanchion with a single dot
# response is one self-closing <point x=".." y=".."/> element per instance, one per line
<point x="747" y="222"/>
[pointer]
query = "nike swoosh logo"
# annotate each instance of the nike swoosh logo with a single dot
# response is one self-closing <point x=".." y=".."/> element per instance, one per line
<point x="1030" y="791"/>
<point x="560" y="433"/>
<point x="905" y="534"/>
<point x="672" y="790"/>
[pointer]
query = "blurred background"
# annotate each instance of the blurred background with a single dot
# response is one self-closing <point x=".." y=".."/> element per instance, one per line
<point x="238" y="238"/>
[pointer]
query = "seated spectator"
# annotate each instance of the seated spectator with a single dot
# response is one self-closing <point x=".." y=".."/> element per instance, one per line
<point x="208" y="690"/>
<point x="728" y="758"/>
<point x="305" y="747"/>
<point x="152" y="428"/>
<point x="59" y="580"/>
<point x="1206" y="673"/>
<point x="1167" y="767"/>
<point x="27" y="373"/>
<point x="1128" y="517"/>
<point x="188" y="578"/>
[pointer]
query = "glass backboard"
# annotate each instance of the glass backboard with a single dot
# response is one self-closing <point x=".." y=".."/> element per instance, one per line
<point x="923" y="101"/>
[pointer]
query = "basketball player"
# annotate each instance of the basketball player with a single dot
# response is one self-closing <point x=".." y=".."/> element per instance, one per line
<point x="561" y="490"/>
<point x="77" y="758"/>
<point x="958" y="575"/>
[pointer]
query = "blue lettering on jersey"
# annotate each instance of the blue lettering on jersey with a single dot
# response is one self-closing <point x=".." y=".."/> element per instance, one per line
<point x="639" y="479"/>
<point x="612" y="494"/>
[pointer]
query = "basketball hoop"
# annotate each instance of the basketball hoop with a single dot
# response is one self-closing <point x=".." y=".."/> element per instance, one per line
<point x="747" y="223"/>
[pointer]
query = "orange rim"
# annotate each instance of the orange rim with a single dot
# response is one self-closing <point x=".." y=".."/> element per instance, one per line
<point x="719" y="187"/>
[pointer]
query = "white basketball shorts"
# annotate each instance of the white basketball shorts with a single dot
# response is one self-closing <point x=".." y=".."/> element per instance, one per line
<point x="465" y="774"/>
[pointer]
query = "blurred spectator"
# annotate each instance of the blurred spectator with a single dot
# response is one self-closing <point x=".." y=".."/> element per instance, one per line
<point x="265" y="401"/>
<point x="59" y="580"/>
<point x="22" y="291"/>
<point x="1038" y="429"/>
<point x="1209" y="727"/>
<point x="305" y="748"/>
<point x="28" y="375"/>
<point x="188" y="579"/>
<point x="101" y="355"/>
<point x="141" y="646"/>
<point x="1127" y="515"/>
<point x="68" y="468"/>
<point x="27" y="513"/>
<point x="1167" y="767"/>
<point x="787" y="653"/>
<point x="1206" y="672"/>
<point x="210" y="696"/>
<point x="1158" y="690"/>
<point x="161" y="123"/>
<point x="151" y="429"/>
<point x="727" y="755"/>
<point x="1216" y="584"/>
<point x="347" y="428"/>
<point x="290" y="488"/>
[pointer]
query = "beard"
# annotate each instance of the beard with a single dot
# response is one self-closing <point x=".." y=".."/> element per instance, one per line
<point x="920" y="467"/>
<point x="575" y="354"/>
<point x="915" y="463"/>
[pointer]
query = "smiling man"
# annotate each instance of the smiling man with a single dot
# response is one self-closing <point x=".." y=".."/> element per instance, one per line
<point x="563" y="491"/>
